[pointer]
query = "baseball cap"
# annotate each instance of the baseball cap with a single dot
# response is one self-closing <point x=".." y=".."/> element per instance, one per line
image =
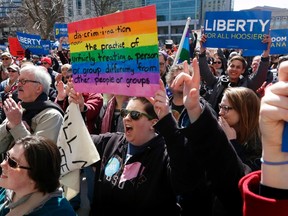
<point x="47" y="60"/>
<point x="35" y="56"/>
<point x="14" y="67"/>
<point x="7" y="54"/>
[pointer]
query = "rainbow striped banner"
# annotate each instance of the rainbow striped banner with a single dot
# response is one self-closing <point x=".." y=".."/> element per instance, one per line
<point x="116" y="53"/>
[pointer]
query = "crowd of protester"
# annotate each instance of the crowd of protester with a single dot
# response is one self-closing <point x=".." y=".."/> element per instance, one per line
<point x="209" y="141"/>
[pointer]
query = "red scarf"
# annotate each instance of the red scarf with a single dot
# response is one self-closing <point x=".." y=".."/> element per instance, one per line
<point x="108" y="116"/>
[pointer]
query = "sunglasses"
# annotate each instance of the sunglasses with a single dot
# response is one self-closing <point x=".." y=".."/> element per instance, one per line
<point x="217" y="62"/>
<point x="135" y="115"/>
<point x="12" y="163"/>
<point x="12" y="71"/>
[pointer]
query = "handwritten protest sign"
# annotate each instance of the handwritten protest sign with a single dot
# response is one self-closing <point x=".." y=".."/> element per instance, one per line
<point x="279" y="44"/>
<point x="237" y="30"/>
<point x="76" y="148"/>
<point x="116" y="53"/>
<point x="74" y="141"/>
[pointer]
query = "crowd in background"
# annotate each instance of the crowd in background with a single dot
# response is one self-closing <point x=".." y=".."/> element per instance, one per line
<point x="209" y="141"/>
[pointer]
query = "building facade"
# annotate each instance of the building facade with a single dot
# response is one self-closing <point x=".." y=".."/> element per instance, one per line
<point x="6" y="7"/>
<point x="279" y="16"/>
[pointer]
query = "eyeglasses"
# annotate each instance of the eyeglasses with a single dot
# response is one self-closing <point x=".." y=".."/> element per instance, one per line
<point x="23" y="81"/>
<point x="5" y="59"/>
<point x="225" y="108"/>
<point x="217" y="62"/>
<point x="161" y="63"/>
<point x="135" y="115"/>
<point x="12" y="163"/>
<point x="11" y="71"/>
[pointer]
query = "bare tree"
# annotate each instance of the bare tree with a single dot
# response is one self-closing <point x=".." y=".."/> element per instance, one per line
<point x="39" y="16"/>
<point x="103" y="7"/>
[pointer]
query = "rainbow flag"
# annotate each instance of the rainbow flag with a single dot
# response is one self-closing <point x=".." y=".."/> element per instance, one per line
<point x="116" y="53"/>
<point x="185" y="52"/>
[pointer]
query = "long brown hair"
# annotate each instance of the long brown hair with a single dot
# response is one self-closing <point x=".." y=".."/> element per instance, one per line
<point x="245" y="102"/>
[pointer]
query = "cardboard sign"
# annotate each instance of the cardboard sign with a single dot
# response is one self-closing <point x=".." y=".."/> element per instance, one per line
<point x="116" y="53"/>
<point x="15" y="47"/>
<point x="237" y="30"/>
<point x="278" y="46"/>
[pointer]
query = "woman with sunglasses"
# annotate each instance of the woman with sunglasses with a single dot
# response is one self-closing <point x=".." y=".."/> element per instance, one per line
<point x="30" y="179"/>
<point x="219" y="64"/>
<point x="6" y="61"/>
<point x="134" y="174"/>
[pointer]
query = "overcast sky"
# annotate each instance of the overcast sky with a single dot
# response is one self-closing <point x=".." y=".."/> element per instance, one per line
<point x="247" y="4"/>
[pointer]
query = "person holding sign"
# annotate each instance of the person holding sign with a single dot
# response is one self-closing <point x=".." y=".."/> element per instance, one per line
<point x="64" y="54"/>
<point x="90" y="105"/>
<point x="134" y="173"/>
<point x="236" y="68"/>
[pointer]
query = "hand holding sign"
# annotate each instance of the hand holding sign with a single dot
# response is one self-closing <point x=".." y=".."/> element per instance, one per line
<point x="267" y="40"/>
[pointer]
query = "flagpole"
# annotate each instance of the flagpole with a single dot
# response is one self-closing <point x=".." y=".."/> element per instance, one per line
<point x="182" y="41"/>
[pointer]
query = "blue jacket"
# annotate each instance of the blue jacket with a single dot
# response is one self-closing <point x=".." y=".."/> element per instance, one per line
<point x="57" y="205"/>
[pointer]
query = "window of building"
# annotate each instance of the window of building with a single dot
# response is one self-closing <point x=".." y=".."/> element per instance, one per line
<point x="88" y="7"/>
<point x="79" y="7"/>
<point x="70" y="8"/>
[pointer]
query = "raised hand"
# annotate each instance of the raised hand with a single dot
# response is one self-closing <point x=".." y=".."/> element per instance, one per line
<point x="273" y="115"/>
<point x="160" y="101"/>
<point x="13" y="112"/>
<point x="191" y="94"/>
<point x="267" y="39"/>
<point x="76" y="97"/>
